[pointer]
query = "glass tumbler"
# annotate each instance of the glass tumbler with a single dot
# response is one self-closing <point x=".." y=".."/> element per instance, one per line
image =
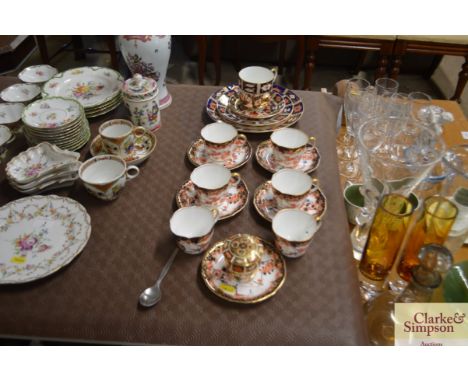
<point x="385" y="237"/>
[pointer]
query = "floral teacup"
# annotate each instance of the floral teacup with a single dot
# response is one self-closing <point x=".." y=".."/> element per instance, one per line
<point x="290" y="187"/>
<point x="104" y="176"/>
<point x="118" y="136"/>
<point x="211" y="181"/>
<point x="294" y="230"/>
<point x="219" y="138"/>
<point x="289" y="146"/>
<point x="193" y="228"/>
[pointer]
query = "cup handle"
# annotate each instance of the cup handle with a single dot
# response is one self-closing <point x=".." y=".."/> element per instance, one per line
<point x="132" y="168"/>
<point x="312" y="141"/>
<point x="237" y="176"/>
<point x="139" y="131"/>
<point x="275" y="72"/>
<point x="12" y="138"/>
<point x="215" y="214"/>
<point x="242" y="137"/>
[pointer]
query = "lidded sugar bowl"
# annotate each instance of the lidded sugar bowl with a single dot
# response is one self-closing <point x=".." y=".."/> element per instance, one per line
<point x="140" y="95"/>
<point x="243" y="254"/>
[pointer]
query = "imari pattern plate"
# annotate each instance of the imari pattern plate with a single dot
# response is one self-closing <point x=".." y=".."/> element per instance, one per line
<point x="39" y="235"/>
<point x="266" y="282"/>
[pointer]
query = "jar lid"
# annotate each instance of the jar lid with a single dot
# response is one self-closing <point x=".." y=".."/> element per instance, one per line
<point x="139" y="88"/>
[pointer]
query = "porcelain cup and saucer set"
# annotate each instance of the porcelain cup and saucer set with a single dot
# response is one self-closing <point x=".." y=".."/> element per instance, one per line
<point x="120" y="137"/>
<point x="256" y="104"/>
<point x="220" y="143"/>
<point x="214" y="186"/>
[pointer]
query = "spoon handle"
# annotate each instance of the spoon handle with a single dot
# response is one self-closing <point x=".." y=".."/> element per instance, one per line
<point x="166" y="267"/>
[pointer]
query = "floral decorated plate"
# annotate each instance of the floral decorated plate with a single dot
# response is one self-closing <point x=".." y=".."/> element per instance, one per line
<point x="265" y="283"/>
<point x="234" y="200"/>
<point x="143" y="148"/>
<point x="39" y="235"/>
<point x="10" y="112"/>
<point x="217" y="109"/>
<point x="307" y="163"/>
<point x="64" y="172"/>
<point x="240" y="155"/>
<point x="265" y="203"/>
<point x="39" y="161"/>
<point x="91" y="86"/>
<point x="274" y="107"/>
<point x="20" y="93"/>
<point x="59" y="182"/>
<point x="51" y="113"/>
<point x="37" y="74"/>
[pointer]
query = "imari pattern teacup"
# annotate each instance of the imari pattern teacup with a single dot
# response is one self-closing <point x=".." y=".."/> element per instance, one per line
<point x="289" y="145"/>
<point x="193" y="228"/>
<point x="290" y="187"/>
<point x="219" y="140"/>
<point x="294" y="230"/>
<point x="211" y="181"/>
<point x="255" y="86"/>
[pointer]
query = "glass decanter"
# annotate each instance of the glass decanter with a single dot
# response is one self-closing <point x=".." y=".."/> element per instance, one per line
<point x="426" y="277"/>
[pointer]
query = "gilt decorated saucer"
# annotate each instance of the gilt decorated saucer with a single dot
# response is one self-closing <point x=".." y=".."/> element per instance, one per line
<point x="231" y="203"/>
<point x="266" y="282"/>
<point x="139" y="152"/>
<point x="265" y="203"/>
<point x="240" y="155"/>
<point x="307" y="163"/>
<point x="217" y="107"/>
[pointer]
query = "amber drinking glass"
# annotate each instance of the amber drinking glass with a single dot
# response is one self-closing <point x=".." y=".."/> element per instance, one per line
<point x="385" y="237"/>
<point x="432" y="227"/>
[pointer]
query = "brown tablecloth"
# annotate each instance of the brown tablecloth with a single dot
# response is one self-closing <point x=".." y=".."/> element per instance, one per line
<point x="95" y="297"/>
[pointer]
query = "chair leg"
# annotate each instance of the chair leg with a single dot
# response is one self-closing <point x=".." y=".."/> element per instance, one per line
<point x="396" y="64"/>
<point x="381" y="66"/>
<point x="112" y="52"/>
<point x="217" y="58"/>
<point x="42" y="45"/>
<point x="201" y="40"/>
<point x="299" y="60"/>
<point x="462" y="79"/>
<point x="312" y="46"/>
<point x="282" y="53"/>
<point x="78" y="47"/>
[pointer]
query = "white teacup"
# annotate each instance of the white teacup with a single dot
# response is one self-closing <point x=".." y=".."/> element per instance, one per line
<point x="256" y="84"/>
<point x="193" y="228"/>
<point x="290" y="187"/>
<point x="118" y="136"/>
<point x="104" y="176"/>
<point x="219" y="138"/>
<point x="289" y="145"/>
<point x="294" y="230"/>
<point x="211" y="181"/>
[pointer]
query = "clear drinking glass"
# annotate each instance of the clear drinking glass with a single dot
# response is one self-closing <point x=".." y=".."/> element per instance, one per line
<point x="420" y="106"/>
<point x="385" y="86"/>
<point x="396" y="154"/>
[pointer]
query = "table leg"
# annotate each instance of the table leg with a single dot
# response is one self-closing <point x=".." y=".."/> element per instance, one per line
<point x="462" y="78"/>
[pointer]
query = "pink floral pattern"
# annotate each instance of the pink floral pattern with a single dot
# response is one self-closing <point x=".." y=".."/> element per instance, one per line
<point x="86" y="90"/>
<point x="31" y="243"/>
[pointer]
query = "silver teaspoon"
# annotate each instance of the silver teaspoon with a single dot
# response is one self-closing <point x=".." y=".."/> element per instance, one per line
<point x="151" y="296"/>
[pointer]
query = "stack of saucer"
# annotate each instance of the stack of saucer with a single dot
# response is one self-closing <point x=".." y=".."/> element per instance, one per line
<point x="41" y="168"/>
<point x="97" y="89"/>
<point x="57" y="120"/>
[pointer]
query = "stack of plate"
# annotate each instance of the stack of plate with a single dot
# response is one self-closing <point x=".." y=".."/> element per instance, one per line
<point x="97" y="89"/>
<point x="41" y="168"/>
<point x="57" y="120"/>
<point x="284" y="109"/>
